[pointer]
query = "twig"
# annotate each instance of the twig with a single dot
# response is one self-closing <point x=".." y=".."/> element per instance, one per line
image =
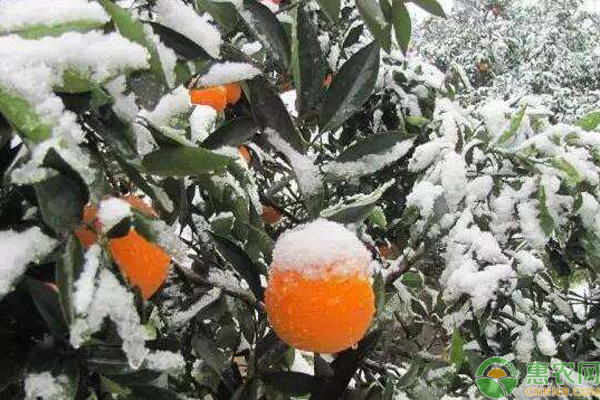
<point x="241" y="294"/>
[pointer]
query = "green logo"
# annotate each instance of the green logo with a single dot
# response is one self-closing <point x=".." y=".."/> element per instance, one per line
<point x="497" y="378"/>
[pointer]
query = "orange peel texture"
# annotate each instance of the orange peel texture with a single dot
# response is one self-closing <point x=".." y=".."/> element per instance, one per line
<point x="215" y="97"/>
<point x="320" y="315"/>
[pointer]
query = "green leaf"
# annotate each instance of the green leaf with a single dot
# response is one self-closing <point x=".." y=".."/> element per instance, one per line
<point x="224" y="13"/>
<point x="590" y="121"/>
<point x="457" y="354"/>
<point x="180" y="44"/>
<point x="573" y="176"/>
<point x="68" y="269"/>
<point x="402" y="24"/>
<point x="417" y="120"/>
<point x="377" y="218"/>
<point x="184" y="161"/>
<point x="331" y="8"/>
<point x="431" y="6"/>
<point x="75" y="81"/>
<point x="265" y="27"/>
<point x="412" y="374"/>
<point x="23" y="117"/>
<point x="308" y="64"/>
<point x="412" y="279"/>
<point x="133" y="30"/>
<point x="546" y="221"/>
<point x="61" y="201"/>
<point x="48" y="304"/>
<point x="351" y="88"/>
<point x="371" y="13"/>
<point x="359" y="207"/>
<point x="373" y="144"/>
<point x="233" y="133"/>
<point x="206" y="349"/>
<point x="38" y="31"/>
<point x="291" y="383"/>
<point x="270" y="112"/>
<point x="240" y="261"/>
<point x="515" y="124"/>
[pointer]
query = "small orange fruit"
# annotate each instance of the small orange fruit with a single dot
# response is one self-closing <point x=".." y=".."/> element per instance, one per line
<point x="143" y="263"/>
<point x="214" y="96"/>
<point x="327" y="81"/>
<point x="270" y="215"/>
<point x="320" y="296"/>
<point x="234" y="93"/>
<point x="244" y="153"/>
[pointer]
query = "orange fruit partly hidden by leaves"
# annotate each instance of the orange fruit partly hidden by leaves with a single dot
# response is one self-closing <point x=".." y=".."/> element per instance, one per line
<point x="327" y="81"/>
<point x="214" y="96"/>
<point x="270" y="215"/>
<point x="244" y="153"/>
<point x="234" y="93"/>
<point x="142" y="262"/>
<point x="320" y="296"/>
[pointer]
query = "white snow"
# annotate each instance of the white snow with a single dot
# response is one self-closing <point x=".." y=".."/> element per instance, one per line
<point x="307" y="174"/>
<point x="370" y="163"/>
<point x="228" y="72"/>
<point x="425" y="154"/>
<point x="112" y="211"/>
<point x="16" y="15"/>
<point x="202" y="121"/>
<point x="545" y="341"/>
<point x="85" y="284"/>
<point x="527" y="264"/>
<point x="479" y="189"/>
<point x="162" y="360"/>
<point x="321" y="248"/>
<point x="113" y="300"/>
<point x="18" y="249"/>
<point x="530" y="225"/>
<point x="44" y="385"/>
<point x="172" y="104"/>
<point x="423" y="197"/>
<point x="454" y="179"/>
<point x="182" y="18"/>
<point x="525" y="343"/>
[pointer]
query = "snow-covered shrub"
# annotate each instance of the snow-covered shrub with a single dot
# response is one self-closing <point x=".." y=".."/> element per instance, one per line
<point x="481" y="222"/>
<point x="512" y="48"/>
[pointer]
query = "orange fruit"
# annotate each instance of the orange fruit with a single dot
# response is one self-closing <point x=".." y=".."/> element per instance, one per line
<point x="327" y="81"/>
<point x="143" y="263"/>
<point x="214" y="96"/>
<point x="319" y="296"/>
<point x="244" y="153"/>
<point x="234" y="93"/>
<point x="86" y="232"/>
<point x="270" y="215"/>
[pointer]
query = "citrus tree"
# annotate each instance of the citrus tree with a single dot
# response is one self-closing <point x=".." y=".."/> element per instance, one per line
<point x="192" y="188"/>
<point x="509" y="49"/>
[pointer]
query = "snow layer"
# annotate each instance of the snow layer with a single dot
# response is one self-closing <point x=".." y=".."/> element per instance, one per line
<point x="16" y="15"/>
<point x="112" y="211"/>
<point x="183" y="19"/>
<point x="18" y="249"/>
<point x="321" y="248"/>
<point x="228" y="72"/>
<point x="113" y="300"/>
<point x="84" y="286"/>
<point x="44" y="385"/>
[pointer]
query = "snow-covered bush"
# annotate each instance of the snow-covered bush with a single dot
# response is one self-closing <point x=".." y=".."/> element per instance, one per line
<point x="481" y="223"/>
<point x="514" y="48"/>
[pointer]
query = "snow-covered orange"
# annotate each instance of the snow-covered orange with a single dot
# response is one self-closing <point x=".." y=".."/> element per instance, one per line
<point x="142" y="262"/>
<point x="270" y="215"/>
<point x="214" y="96"/>
<point x="320" y="296"/>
